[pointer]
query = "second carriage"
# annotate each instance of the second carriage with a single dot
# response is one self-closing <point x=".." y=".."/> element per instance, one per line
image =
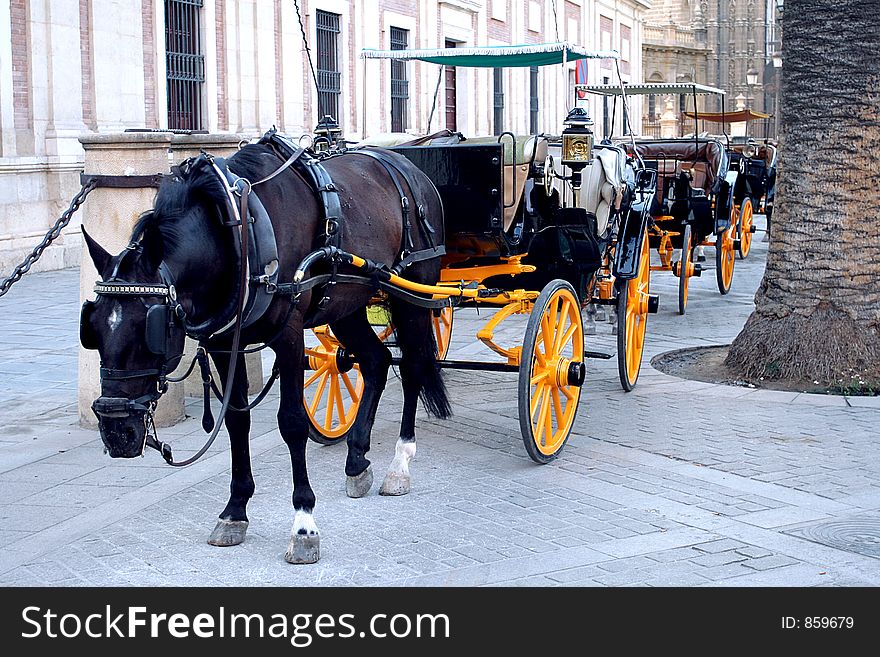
<point x="695" y="204"/>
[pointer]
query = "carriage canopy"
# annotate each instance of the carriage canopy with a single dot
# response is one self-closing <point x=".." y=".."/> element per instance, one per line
<point x="542" y="54"/>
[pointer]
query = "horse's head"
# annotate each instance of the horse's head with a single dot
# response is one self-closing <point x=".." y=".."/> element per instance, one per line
<point x="135" y="327"/>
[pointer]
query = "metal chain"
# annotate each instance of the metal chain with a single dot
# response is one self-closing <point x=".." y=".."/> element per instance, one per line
<point x="308" y="50"/>
<point x="50" y="237"/>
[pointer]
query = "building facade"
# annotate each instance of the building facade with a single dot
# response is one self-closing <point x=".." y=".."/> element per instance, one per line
<point x="730" y="44"/>
<point x="242" y="66"/>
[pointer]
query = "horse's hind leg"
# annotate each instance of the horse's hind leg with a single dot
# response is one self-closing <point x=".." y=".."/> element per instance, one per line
<point x="420" y="377"/>
<point x="373" y="359"/>
<point x="233" y="523"/>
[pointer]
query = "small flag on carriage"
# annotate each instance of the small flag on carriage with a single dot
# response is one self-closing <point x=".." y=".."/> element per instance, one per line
<point x="580" y="77"/>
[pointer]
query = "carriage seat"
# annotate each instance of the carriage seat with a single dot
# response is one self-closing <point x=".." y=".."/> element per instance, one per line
<point x="705" y="160"/>
<point x="518" y="156"/>
<point x="602" y="183"/>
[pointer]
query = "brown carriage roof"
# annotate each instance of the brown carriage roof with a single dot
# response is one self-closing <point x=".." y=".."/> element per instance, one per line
<point x="729" y="117"/>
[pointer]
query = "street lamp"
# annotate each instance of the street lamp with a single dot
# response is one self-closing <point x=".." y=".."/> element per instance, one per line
<point x="751" y="77"/>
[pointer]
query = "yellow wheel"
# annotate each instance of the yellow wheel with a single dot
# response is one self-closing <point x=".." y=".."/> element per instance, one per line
<point x="725" y="256"/>
<point x="632" y="320"/>
<point x="332" y="389"/>
<point x="551" y="371"/>
<point x="684" y="267"/>
<point x="745" y="228"/>
<point x="442" y="320"/>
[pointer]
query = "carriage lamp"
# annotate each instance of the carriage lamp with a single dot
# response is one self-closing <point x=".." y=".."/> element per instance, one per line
<point x="326" y="133"/>
<point x="577" y="139"/>
<point x="577" y="143"/>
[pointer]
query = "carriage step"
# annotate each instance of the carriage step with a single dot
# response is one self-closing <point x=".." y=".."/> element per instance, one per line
<point x="653" y="303"/>
<point x="753" y="228"/>
<point x="597" y="354"/>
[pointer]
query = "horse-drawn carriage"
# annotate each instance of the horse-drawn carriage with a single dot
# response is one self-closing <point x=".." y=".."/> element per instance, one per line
<point x="756" y="160"/>
<point x="221" y="259"/>
<point x="695" y="200"/>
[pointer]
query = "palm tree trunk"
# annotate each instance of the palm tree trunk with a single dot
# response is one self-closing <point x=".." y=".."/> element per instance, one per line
<point x="817" y="315"/>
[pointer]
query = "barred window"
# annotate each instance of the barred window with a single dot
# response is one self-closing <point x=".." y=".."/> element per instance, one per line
<point x="329" y="77"/>
<point x="498" y="100"/>
<point x="399" y="82"/>
<point x="184" y="64"/>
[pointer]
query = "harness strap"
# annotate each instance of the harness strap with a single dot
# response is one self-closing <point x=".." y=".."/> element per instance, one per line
<point x="418" y="256"/>
<point x="124" y="375"/>
<point x="425" y="228"/>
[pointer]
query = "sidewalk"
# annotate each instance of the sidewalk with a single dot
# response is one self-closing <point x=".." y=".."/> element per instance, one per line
<point x="677" y="483"/>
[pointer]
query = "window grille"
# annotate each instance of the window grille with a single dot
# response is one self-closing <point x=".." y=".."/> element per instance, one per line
<point x="399" y="82"/>
<point x="329" y="77"/>
<point x="184" y="64"/>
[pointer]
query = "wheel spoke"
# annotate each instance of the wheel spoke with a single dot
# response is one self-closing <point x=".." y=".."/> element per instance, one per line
<point x="542" y="415"/>
<point x="536" y="397"/>
<point x="535" y="380"/>
<point x="318" y="394"/>
<point x="355" y="397"/>
<point x="566" y="338"/>
<point x="560" y="326"/>
<point x="331" y="397"/>
<point x="340" y="405"/>
<point x="557" y="408"/>
<point x="314" y="376"/>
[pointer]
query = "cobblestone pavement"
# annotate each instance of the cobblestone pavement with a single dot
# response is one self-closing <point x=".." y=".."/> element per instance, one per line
<point x="677" y="483"/>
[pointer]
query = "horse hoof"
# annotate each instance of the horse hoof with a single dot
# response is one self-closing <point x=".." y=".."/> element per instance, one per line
<point x="303" y="548"/>
<point x="359" y="485"/>
<point x="228" y="533"/>
<point x="395" y="484"/>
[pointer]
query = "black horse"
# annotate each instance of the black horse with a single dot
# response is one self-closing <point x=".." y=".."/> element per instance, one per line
<point x="182" y="274"/>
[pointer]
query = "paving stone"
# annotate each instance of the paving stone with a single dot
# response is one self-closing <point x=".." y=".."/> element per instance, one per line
<point x="632" y="501"/>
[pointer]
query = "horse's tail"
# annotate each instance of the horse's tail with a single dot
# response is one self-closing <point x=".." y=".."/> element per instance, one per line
<point x="433" y="393"/>
<point x="418" y="346"/>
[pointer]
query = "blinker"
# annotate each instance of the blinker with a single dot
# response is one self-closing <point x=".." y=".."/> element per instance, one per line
<point x="87" y="337"/>
<point x="157" y="329"/>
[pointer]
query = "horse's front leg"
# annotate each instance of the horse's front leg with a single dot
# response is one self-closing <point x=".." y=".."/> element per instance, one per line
<point x="233" y="523"/>
<point x="293" y="423"/>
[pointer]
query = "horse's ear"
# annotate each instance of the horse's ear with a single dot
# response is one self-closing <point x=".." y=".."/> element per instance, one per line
<point x="151" y="240"/>
<point x="99" y="256"/>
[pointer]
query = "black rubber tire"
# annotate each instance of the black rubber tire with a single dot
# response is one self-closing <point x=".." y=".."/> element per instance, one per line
<point x="683" y="266"/>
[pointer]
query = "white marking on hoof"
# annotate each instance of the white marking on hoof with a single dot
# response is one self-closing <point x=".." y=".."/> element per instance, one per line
<point x="397" y="480"/>
<point x="360" y="485"/>
<point x="305" y="543"/>
<point x="228" y="533"/>
<point x="304" y="523"/>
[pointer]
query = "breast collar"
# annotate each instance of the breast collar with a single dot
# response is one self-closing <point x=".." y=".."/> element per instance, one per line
<point x="261" y="258"/>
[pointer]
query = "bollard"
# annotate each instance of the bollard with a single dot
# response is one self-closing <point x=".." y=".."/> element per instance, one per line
<point x="109" y="215"/>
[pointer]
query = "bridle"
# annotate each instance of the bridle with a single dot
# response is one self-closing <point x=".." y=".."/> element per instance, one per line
<point x="162" y="320"/>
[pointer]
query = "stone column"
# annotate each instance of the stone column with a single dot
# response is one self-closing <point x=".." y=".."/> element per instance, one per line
<point x="109" y="214"/>
<point x="668" y="121"/>
<point x="221" y="145"/>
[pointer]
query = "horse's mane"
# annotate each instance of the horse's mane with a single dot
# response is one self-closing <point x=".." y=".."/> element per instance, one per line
<point x="193" y="184"/>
